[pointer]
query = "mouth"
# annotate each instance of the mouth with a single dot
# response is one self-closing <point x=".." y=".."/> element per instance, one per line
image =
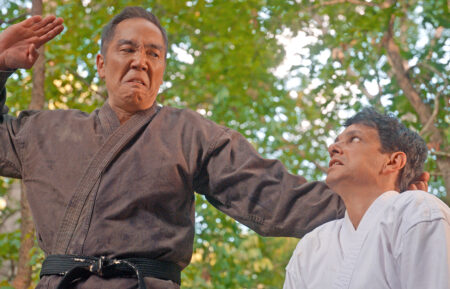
<point x="136" y="81"/>
<point x="335" y="162"/>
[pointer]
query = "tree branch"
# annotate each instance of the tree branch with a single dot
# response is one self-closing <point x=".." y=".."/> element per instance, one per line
<point x="396" y="61"/>
<point x="383" y="5"/>
<point x="12" y="20"/>
<point x="7" y="216"/>
<point x="440" y="153"/>
<point x="334" y="2"/>
<point x="436" y="99"/>
<point x="435" y="174"/>
<point x="424" y="111"/>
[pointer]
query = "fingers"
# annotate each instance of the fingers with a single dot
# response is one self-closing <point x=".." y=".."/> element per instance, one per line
<point x="32" y="20"/>
<point x="43" y="29"/>
<point x="419" y="186"/>
<point x="421" y="183"/>
<point x="425" y="177"/>
<point x="49" y="35"/>
<point x="44" y="22"/>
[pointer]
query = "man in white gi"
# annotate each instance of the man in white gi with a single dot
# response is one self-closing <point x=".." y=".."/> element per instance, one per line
<point x="387" y="239"/>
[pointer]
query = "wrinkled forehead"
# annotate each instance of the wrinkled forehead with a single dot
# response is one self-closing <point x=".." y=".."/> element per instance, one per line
<point x="138" y="28"/>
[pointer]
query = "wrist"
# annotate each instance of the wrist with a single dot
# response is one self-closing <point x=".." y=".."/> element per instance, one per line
<point x="3" y="66"/>
<point x="2" y="63"/>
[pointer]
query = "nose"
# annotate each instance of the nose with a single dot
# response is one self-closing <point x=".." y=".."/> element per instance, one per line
<point x="139" y="61"/>
<point x="334" y="148"/>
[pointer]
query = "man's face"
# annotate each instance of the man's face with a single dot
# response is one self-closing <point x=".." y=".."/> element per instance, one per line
<point x="356" y="160"/>
<point x="133" y="65"/>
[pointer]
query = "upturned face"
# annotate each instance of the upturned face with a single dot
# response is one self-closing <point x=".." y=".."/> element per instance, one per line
<point x="133" y="65"/>
<point x="356" y="160"/>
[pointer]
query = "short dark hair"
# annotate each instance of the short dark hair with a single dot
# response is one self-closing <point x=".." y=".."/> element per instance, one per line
<point x="395" y="136"/>
<point x="128" y="13"/>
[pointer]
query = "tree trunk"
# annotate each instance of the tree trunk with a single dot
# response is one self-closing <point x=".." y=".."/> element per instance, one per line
<point x="436" y="138"/>
<point x="23" y="277"/>
<point x="24" y="270"/>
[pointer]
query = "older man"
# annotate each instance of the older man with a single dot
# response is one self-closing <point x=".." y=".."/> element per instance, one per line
<point x="387" y="239"/>
<point x="112" y="192"/>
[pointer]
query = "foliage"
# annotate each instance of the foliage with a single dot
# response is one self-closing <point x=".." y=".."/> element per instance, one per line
<point x="221" y="59"/>
<point x="347" y="66"/>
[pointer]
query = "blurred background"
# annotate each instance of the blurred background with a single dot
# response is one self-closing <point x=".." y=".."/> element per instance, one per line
<point x="284" y="73"/>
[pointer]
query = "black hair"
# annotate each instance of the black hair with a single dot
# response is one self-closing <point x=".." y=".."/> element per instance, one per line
<point x="128" y="13"/>
<point x="395" y="136"/>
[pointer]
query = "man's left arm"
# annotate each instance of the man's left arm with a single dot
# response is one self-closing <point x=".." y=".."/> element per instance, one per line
<point x="261" y="193"/>
<point x="425" y="256"/>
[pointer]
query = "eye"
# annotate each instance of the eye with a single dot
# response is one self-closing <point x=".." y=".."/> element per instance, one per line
<point x="153" y="54"/>
<point x="127" y="50"/>
<point x="355" y="139"/>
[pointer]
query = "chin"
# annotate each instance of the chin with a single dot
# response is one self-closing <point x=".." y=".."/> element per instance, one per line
<point x="329" y="180"/>
<point x="139" y="102"/>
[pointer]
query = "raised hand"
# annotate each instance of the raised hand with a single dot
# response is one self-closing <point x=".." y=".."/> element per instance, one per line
<point x="19" y="42"/>
<point x="421" y="183"/>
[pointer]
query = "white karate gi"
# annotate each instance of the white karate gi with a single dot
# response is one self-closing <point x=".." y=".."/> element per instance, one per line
<point x="402" y="242"/>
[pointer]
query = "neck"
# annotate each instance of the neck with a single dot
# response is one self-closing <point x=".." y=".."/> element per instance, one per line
<point x="357" y="203"/>
<point x="356" y="211"/>
<point x="121" y="114"/>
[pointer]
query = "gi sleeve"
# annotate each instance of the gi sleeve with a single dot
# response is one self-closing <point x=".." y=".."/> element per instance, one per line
<point x="3" y="78"/>
<point x="260" y="193"/>
<point x="425" y="256"/>
<point x="10" y="165"/>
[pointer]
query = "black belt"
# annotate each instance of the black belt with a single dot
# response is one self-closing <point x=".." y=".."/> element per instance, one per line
<point x="73" y="267"/>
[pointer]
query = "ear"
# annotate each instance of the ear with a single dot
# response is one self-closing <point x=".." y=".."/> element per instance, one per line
<point x="101" y="66"/>
<point x="395" y="162"/>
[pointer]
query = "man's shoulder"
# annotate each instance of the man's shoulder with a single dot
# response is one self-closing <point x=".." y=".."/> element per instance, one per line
<point x="322" y="234"/>
<point x="315" y="244"/>
<point x="180" y="112"/>
<point x="184" y="113"/>
<point x="412" y="207"/>
<point x="188" y="117"/>
<point x="55" y="114"/>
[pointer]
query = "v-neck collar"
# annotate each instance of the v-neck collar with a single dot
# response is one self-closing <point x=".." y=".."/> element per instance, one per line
<point x="352" y="240"/>
<point x="370" y="217"/>
<point x="109" y="120"/>
<point x="373" y="212"/>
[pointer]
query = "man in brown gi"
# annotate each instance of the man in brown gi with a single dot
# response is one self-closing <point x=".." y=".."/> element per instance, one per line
<point x="112" y="192"/>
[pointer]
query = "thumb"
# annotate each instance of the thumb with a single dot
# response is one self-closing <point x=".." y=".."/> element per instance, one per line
<point x="33" y="54"/>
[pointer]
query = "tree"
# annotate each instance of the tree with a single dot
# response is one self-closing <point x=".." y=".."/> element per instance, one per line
<point x="27" y="236"/>
<point x="390" y="54"/>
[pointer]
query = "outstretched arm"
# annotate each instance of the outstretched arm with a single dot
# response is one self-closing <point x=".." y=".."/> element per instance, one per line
<point x="19" y="42"/>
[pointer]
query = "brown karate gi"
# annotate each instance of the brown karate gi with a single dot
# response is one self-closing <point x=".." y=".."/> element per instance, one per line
<point x="143" y="205"/>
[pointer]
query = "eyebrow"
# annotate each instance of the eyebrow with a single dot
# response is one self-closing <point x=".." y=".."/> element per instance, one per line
<point x="134" y="44"/>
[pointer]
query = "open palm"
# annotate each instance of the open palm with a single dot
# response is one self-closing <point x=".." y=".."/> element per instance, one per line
<point x="19" y="42"/>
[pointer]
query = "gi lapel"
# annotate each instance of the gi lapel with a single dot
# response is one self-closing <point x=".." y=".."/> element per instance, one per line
<point x="369" y="220"/>
<point x="102" y="158"/>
